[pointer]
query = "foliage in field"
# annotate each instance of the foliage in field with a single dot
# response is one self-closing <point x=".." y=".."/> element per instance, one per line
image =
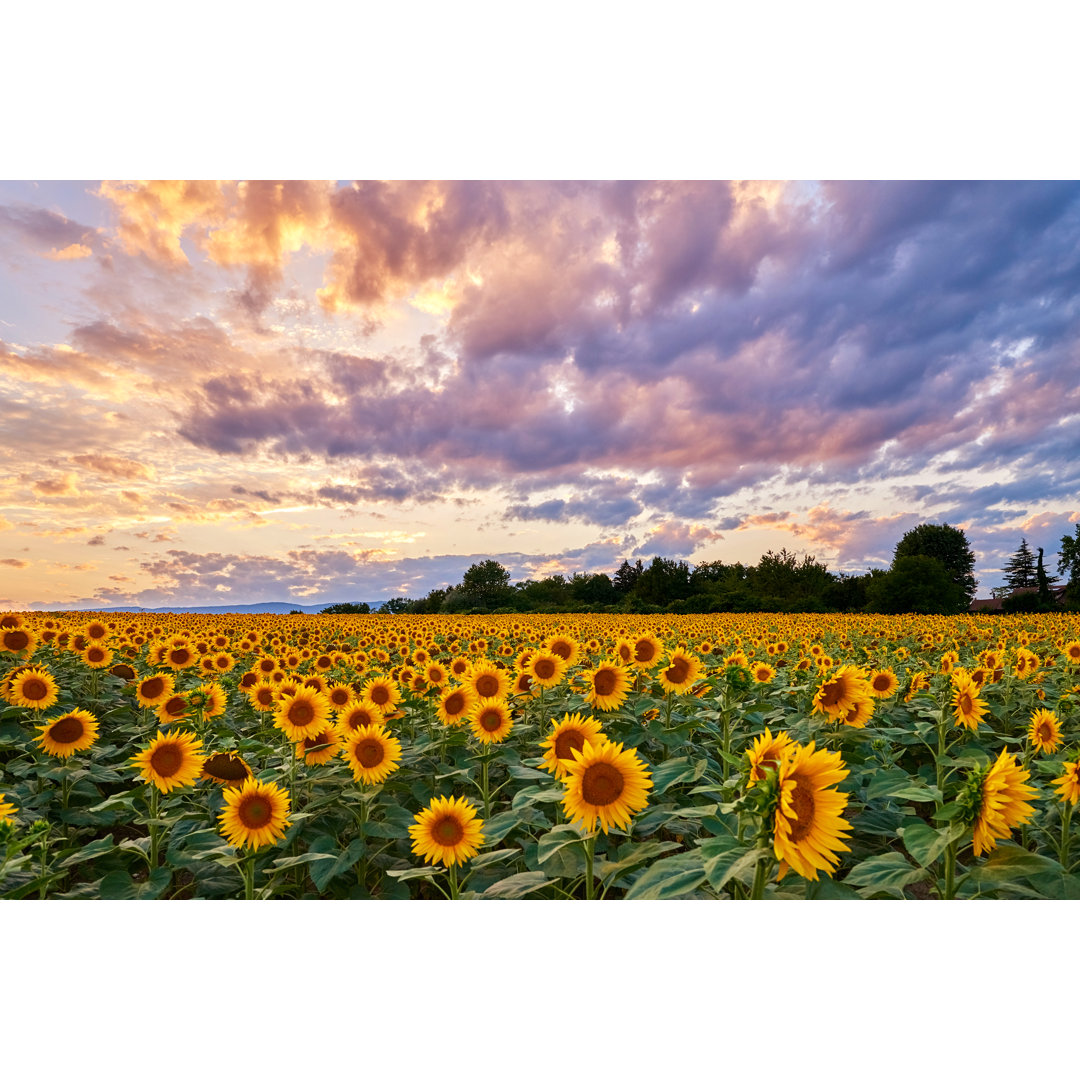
<point x="584" y="756"/>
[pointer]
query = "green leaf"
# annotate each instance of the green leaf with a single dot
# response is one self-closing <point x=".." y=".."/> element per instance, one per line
<point x="488" y="858"/>
<point x="520" y="772"/>
<point x="633" y="854"/>
<point x="676" y="875"/>
<point x="897" y="784"/>
<point x="679" y="770"/>
<point x="298" y="860"/>
<point x="414" y="872"/>
<point x="556" y="840"/>
<point x="516" y="886"/>
<point x="120" y="885"/>
<point x="725" y="857"/>
<point x="1007" y="861"/>
<point x="499" y="826"/>
<point x="323" y="873"/>
<point x="924" y="844"/>
<point x="92" y="850"/>
<point x="891" y="870"/>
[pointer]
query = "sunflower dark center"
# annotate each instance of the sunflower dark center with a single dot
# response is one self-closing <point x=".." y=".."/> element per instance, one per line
<point x="225" y="767"/>
<point x="67" y="729"/>
<point x="448" y="831"/>
<point x="380" y="695"/>
<point x="625" y="652"/>
<point x="487" y="686"/>
<point x="454" y="704"/>
<point x="604" y="681"/>
<point x="370" y="752"/>
<point x="152" y="687"/>
<point x="561" y="648"/>
<point x="491" y="719"/>
<point x="175" y="705"/>
<point x="832" y="692"/>
<point x="35" y="689"/>
<point x="16" y="640"/>
<point x="678" y="671"/>
<point x="166" y="760"/>
<point x="544" y="668"/>
<point x="255" y="811"/>
<point x="568" y="740"/>
<point x="965" y="704"/>
<point x="301" y="713"/>
<point x="644" y="651"/>
<point x="601" y="784"/>
<point x="802" y="803"/>
<point x="322" y="739"/>
<point x="1045" y="732"/>
<point x="881" y="683"/>
<point x="340" y="696"/>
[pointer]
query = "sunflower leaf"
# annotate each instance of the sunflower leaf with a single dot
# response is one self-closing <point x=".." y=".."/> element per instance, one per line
<point x="924" y="844"/>
<point x="676" y="875"/>
<point x="120" y="885"/>
<point x="92" y="850"/>
<point x="890" y="870"/>
<point x="678" y="770"/>
<point x="517" y="885"/>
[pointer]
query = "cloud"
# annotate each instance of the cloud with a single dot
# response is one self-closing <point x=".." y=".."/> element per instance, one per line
<point x="675" y="539"/>
<point x="57" y="486"/>
<point x="46" y="232"/>
<point x="117" y="467"/>
<point x="17" y="564"/>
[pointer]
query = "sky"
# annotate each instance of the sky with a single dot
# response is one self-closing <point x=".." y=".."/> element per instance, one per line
<point x="221" y="392"/>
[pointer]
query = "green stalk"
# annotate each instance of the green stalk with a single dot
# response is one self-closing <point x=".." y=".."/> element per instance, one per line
<point x="725" y="723"/>
<point x="361" y="866"/>
<point x="154" y="838"/>
<point x="484" y="784"/>
<point x="950" y="871"/>
<point x="453" y="882"/>
<point x="249" y="876"/>
<point x="1063" y="847"/>
<point x="761" y="877"/>
<point x="590" y="852"/>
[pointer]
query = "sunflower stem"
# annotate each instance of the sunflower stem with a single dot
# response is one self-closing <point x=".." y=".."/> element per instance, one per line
<point x="590" y="852"/>
<point x="761" y="874"/>
<point x="155" y="796"/>
<point x="725" y="725"/>
<point x="1063" y="847"/>
<point x="484" y="785"/>
<point x="950" y="871"/>
<point x="249" y="876"/>
<point x="361" y="866"/>
<point x="453" y="882"/>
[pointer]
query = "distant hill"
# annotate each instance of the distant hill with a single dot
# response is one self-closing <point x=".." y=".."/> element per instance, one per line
<point x="236" y="609"/>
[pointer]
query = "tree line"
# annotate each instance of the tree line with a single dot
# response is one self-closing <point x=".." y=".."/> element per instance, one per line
<point x="932" y="573"/>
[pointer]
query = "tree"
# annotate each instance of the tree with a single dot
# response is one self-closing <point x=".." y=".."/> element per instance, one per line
<point x="949" y="546"/>
<point x="917" y="585"/>
<point x="626" y="576"/>
<point x="1043" y="582"/>
<point x="396" y="605"/>
<point x="1020" y="569"/>
<point x="1069" y="563"/>
<point x="487" y="585"/>
<point x="346" y="609"/>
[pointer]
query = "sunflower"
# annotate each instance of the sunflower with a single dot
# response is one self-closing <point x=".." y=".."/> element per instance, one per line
<point x="1003" y="802"/>
<point x="173" y="709"/>
<point x="255" y="814"/>
<point x="768" y="751"/>
<point x="859" y="713"/>
<point x="382" y="692"/>
<point x="455" y="703"/>
<point x="968" y="707"/>
<point x="489" y="720"/>
<point x="360" y="715"/>
<point x="565" y="646"/>
<point x="808" y="826"/>
<point x="341" y="695"/>
<point x="682" y="670"/>
<point x="608" y="686"/>
<point x="1068" y="784"/>
<point x="547" y="668"/>
<point x="67" y="734"/>
<point x="225" y="768"/>
<point x="488" y="681"/>
<point x="605" y="784"/>
<point x="435" y="674"/>
<point x="836" y="696"/>
<point x="263" y="696"/>
<point x="18" y="639"/>
<point x="215" y="699"/>
<point x="180" y="657"/>
<point x="33" y="689"/>
<point x="319" y="749"/>
<point x="1044" y="731"/>
<point x="647" y="650"/>
<point x="153" y="690"/>
<point x="372" y="753"/>
<point x="624" y="651"/>
<point x="7" y="810"/>
<point x="170" y="761"/>
<point x="96" y="656"/>
<point x="448" y="831"/>
<point x="1026" y="663"/>
<point x="222" y="662"/>
<point x="883" y="682"/>
<point x="303" y="715"/>
<point x="762" y="673"/>
<point x="1071" y="651"/>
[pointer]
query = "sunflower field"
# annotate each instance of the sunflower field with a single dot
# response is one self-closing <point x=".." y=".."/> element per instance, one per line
<point x="539" y="756"/>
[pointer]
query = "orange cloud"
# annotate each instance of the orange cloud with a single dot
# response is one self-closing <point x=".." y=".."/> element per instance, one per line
<point x="18" y="564"/>
<point x="61" y="485"/>
<point x="155" y="214"/>
<point x="119" y="467"/>
<point x="72" y="251"/>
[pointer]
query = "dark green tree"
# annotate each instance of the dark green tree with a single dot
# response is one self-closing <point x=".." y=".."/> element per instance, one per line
<point x="397" y="605"/>
<point x="949" y="546"/>
<point x="1020" y="569"/>
<point x="1069" y="563"/>
<point x="626" y="576"/>
<point x="487" y="585"/>
<point x="346" y="609"/>
<point x="916" y="585"/>
<point x="663" y="582"/>
<point x="1045" y="599"/>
